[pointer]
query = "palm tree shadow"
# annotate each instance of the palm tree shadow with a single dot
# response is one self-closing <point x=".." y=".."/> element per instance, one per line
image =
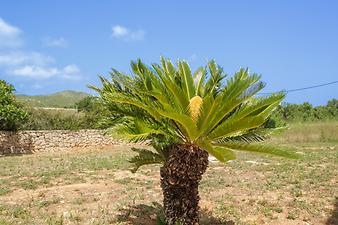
<point x="333" y="220"/>
<point x="143" y="214"/>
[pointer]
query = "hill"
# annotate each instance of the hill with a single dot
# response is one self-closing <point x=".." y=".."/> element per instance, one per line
<point x="63" y="99"/>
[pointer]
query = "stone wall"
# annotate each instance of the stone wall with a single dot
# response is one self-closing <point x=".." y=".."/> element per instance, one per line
<point x="31" y="141"/>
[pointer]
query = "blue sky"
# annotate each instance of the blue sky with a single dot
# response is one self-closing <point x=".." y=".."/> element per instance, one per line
<point x="49" y="46"/>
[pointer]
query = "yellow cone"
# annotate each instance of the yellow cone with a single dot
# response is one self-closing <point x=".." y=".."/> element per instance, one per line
<point x="195" y="104"/>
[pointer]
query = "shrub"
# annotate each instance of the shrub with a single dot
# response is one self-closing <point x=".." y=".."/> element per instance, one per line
<point x="41" y="119"/>
<point x="12" y="115"/>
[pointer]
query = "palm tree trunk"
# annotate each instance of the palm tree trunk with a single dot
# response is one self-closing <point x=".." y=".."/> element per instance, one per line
<point x="180" y="177"/>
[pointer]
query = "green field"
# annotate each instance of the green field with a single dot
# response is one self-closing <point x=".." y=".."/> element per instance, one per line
<point x="64" y="99"/>
<point x="95" y="187"/>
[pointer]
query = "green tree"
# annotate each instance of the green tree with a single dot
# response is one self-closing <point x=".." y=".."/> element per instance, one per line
<point x="11" y="113"/>
<point x="185" y="117"/>
<point x="95" y="115"/>
<point x="332" y="108"/>
<point x="87" y="104"/>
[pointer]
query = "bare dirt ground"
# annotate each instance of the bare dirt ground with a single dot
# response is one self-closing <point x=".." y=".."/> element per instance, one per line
<point x="96" y="187"/>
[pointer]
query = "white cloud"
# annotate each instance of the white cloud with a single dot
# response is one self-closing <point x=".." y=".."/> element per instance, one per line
<point x="55" y="42"/>
<point x="36" y="72"/>
<point x="71" y="69"/>
<point x="33" y="65"/>
<point x="9" y="35"/>
<point x="7" y="29"/>
<point x="126" y="34"/>
<point x="36" y="66"/>
<point x="71" y="72"/>
<point x="119" y="31"/>
<point x="18" y="58"/>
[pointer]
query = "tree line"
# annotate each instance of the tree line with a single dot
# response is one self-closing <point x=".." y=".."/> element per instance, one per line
<point x="293" y="113"/>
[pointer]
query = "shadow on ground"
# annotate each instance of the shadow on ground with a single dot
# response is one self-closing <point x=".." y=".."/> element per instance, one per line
<point x="333" y="220"/>
<point x="148" y="214"/>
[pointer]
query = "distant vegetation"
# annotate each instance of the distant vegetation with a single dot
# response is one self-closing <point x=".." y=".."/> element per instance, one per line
<point x="45" y="119"/>
<point x="306" y="112"/>
<point x="90" y="114"/>
<point x="64" y="99"/>
<point x="293" y="113"/>
<point x="12" y="114"/>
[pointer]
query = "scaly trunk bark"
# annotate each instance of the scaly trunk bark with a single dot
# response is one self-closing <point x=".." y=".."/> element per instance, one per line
<point x="180" y="177"/>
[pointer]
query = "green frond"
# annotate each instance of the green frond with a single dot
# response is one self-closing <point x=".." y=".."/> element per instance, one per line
<point x="97" y="89"/>
<point x="247" y="117"/>
<point x="131" y="134"/>
<point x="119" y="98"/>
<point x="234" y="96"/>
<point x="234" y="127"/>
<point x="214" y="81"/>
<point x="144" y="157"/>
<point x="222" y="154"/>
<point x="209" y="107"/>
<point x="237" y="92"/>
<point x="187" y="79"/>
<point x="174" y="89"/>
<point x="252" y="136"/>
<point x="168" y="68"/>
<point x="161" y="144"/>
<point x="199" y="79"/>
<point x="259" y="148"/>
<point x="138" y="129"/>
<point x="258" y="105"/>
<point x="189" y="127"/>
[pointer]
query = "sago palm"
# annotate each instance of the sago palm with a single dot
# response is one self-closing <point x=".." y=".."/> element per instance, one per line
<point x="185" y="117"/>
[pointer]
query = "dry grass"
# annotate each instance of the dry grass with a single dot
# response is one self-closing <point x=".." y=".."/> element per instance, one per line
<point x="310" y="132"/>
<point x="95" y="187"/>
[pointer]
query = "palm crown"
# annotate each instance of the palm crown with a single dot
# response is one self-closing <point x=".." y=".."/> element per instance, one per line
<point x="166" y="104"/>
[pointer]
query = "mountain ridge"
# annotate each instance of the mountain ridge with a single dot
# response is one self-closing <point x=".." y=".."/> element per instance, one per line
<point x="61" y="99"/>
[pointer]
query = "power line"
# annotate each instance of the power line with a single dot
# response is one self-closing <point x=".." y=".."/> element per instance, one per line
<point x="300" y="89"/>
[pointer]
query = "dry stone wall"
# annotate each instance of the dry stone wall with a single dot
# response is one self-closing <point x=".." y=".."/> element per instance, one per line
<point x="21" y="142"/>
